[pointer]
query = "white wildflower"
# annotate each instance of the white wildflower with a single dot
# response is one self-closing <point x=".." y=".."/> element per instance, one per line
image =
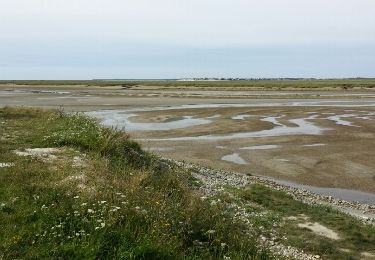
<point x="211" y="232"/>
<point x="115" y="208"/>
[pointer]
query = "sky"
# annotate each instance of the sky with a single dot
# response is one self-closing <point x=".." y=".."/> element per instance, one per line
<point x="87" y="39"/>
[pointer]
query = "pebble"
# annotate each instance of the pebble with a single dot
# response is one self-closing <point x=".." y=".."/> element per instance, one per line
<point x="213" y="182"/>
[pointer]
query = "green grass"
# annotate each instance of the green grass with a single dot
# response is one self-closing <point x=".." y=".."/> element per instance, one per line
<point x="355" y="236"/>
<point x="118" y="205"/>
<point x="124" y="203"/>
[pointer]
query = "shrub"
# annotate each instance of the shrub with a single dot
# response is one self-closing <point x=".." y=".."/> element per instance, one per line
<point x="75" y="130"/>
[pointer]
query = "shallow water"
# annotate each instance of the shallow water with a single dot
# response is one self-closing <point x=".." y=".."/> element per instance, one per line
<point x="283" y="103"/>
<point x="241" y="117"/>
<point x="214" y="116"/>
<point x="337" y="119"/>
<point x="272" y="119"/>
<point x="122" y="120"/>
<point x="344" y="194"/>
<point x="234" y="158"/>
<point x="314" y="145"/>
<point x="306" y="124"/>
<point x="260" y="147"/>
<point x="320" y="103"/>
<point x="303" y="127"/>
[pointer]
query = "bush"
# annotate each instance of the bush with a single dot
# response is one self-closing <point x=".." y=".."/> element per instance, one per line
<point x="75" y="130"/>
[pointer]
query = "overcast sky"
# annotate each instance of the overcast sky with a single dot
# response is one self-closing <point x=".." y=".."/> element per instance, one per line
<point x="84" y="39"/>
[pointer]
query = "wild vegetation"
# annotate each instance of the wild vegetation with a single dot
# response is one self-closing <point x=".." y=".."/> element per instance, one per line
<point x="252" y="84"/>
<point x="96" y="194"/>
<point x="99" y="195"/>
<point x="287" y="217"/>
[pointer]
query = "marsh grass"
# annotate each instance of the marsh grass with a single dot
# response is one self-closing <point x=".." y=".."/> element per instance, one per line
<point x="115" y="206"/>
<point x="344" y="84"/>
<point x="354" y="235"/>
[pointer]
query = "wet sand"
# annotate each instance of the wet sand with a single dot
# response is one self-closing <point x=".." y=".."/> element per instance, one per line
<point x="316" y="138"/>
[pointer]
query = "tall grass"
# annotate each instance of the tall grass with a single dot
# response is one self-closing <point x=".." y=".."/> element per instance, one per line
<point x="118" y="206"/>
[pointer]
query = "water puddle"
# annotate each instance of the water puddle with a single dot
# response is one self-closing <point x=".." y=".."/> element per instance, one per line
<point x="260" y="147"/>
<point x="272" y="119"/>
<point x="122" y="120"/>
<point x="303" y="127"/>
<point x="337" y="119"/>
<point x="335" y="103"/>
<point x="240" y="117"/>
<point x="325" y="103"/>
<point x="314" y="145"/>
<point x="363" y="117"/>
<point x="234" y="158"/>
<point x="214" y="116"/>
<point x="344" y="194"/>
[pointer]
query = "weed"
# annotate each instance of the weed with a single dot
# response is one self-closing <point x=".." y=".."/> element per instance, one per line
<point x="122" y="204"/>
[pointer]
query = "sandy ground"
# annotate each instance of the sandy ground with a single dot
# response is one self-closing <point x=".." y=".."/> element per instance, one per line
<point x="333" y="148"/>
<point x="85" y="98"/>
<point x="341" y="156"/>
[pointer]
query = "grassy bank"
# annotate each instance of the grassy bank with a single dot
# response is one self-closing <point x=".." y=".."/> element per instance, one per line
<point x="292" y="220"/>
<point x="339" y="84"/>
<point x="95" y="194"/>
<point x="99" y="195"/>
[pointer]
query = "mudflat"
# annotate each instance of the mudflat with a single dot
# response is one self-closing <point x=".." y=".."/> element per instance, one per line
<point x="322" y="138"/>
